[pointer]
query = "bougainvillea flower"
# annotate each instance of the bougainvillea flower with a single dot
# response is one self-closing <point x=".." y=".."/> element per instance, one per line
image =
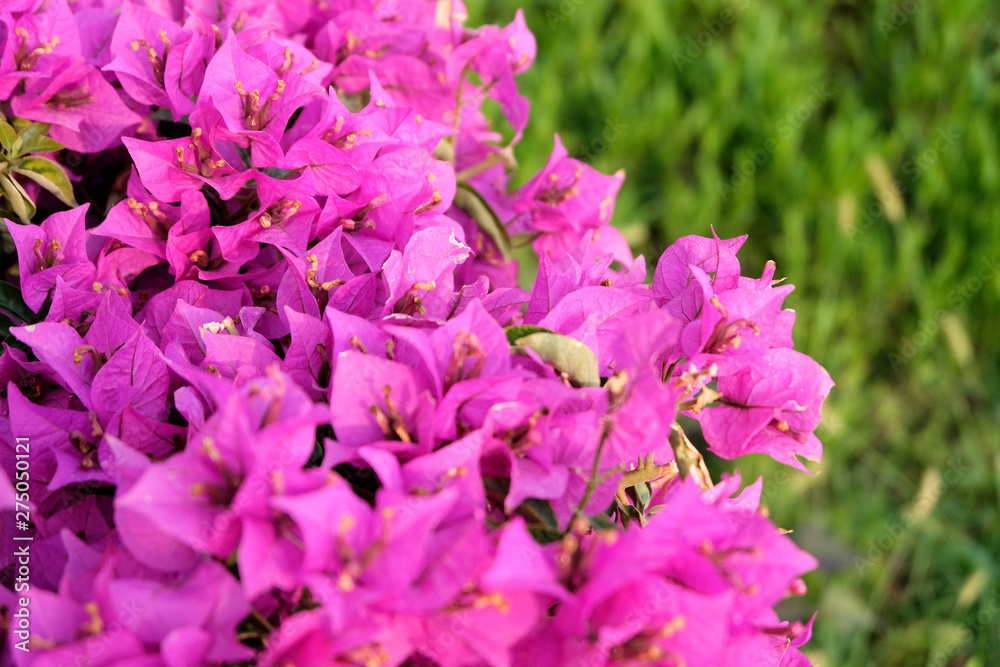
<point x="170" y="168"/>
<point x="155" y="611"/>
<point x="321" y="513"/>
<point x="191" y="495"/>
<point x="68" y="362"/>
<point x="592" y="315"/>
<point x="307" y="359"/>
<point x="141" y="45"/>
<point x="497" y="55"/>
<point x="674" y="284"/>
<point x="286" y="402"/>
<point x="65" y="439"/>
<point x="640" y="411"/>
<point x="397" y="189"/>
<point x="255" y="103"/>
<point x="771" y="405"/>
<point x="565" y="200"/>
<point x="739" y="321"/>
<point x="380" y="400"/>
<point x="283" y="218"/>
<point x="469" y="346"/>
<point x="117" y="269"/>
<point x="202" y="493"/>
<point x="141" y="221"/>
<point x="336" y="136"/>
<point x="583" y="267"/>
<point x="286" y="56"/>
<point x="58" y="622"/>
<point x="420" y="279"/>
<point x="36" y="43"/>
<point x="55" y="249"/>
<point x="135" y="375"/>
<point x="85" y="111"/>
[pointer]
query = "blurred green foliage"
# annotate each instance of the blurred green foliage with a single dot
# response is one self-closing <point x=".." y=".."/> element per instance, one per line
<point x="856" y="143"/>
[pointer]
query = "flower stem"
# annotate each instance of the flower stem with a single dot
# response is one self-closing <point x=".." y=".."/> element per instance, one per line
<point x="594" y="479"/>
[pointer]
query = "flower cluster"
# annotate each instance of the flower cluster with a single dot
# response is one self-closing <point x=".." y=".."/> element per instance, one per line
<point x="286" y="403"/>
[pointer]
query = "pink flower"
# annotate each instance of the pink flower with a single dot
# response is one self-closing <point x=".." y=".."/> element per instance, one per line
<point x="771" y="405"/>
<point x="564" y="201"/>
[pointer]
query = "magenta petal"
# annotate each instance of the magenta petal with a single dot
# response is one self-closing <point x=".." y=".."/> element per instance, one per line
<point x="135" y="376"/>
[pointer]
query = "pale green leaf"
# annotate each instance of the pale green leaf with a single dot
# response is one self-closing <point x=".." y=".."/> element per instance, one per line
<point x="469" y="200"/>
<point x="522" y="330"/>
<point x="40" y="144"/>
<point x="49" y="175"/>
<point x="7" y="136"/>
<point x="566" y="355"/>
<point x="17" y="201"/>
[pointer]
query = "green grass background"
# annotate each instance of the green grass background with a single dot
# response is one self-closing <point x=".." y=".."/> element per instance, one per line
<point x="835" y="100"/>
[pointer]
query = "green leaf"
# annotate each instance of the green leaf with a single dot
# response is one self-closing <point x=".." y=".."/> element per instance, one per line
<point x="7" y="136"/>
<point x="28" y="201"/>
<point x="5" y="324"/>
<point x="543" y="535"/>
<point x="469" y="200"/>
<point x="162" y="114"/>
<point x="601" y="522"/>
<point x="542" y="510"/>
<point x="566" y="355"/>
<point x="642" y="494"/>
<point x="17" y="199"/>
<point x="27" y="129"/>
<point x="12" y="302"/>
<point x="40" y="145"/>
<point x="6" y="240"/>
<point x="245" y="156"/>
<point x="50" y="176"/>
<point x="520" y="331"/>
<point x="282" y="174"/>
<point x="629" y="513"/>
